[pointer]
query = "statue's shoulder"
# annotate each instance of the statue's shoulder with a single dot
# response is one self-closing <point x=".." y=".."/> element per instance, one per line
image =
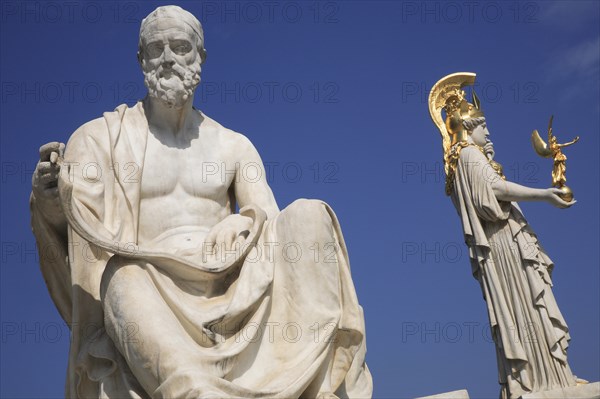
<point x="226" y="136"/>
<point x="95" y="130"/>
<point x="471" y="153"/>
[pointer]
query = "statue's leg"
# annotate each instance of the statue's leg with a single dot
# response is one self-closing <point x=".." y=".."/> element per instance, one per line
<point x="312" y="324"/>
<point x="144" y="328"/>
<point x="316" y="274"/>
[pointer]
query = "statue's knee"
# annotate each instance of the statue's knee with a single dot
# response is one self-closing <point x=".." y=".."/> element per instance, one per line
<point x="307" y="219"/>
<point x="307" y="208"/>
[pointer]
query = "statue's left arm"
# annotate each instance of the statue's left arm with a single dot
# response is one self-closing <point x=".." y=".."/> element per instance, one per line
<point x="250" y="187"/>
<point x="250" y="184"/>
<point x="509" y="191"/>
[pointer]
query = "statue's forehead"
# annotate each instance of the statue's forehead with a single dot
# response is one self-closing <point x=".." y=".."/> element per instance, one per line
<point x="167" y="26"/>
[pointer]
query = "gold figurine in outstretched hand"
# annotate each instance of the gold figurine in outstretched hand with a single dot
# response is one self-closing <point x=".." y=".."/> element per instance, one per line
<point x="554" y="149"/>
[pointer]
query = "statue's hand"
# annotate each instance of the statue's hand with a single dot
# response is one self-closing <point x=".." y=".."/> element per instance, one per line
<point x="553" y="197"/>
<point x="488" y="150"/>
<point x="228" y="234"/>
<point x="45" y="181"/>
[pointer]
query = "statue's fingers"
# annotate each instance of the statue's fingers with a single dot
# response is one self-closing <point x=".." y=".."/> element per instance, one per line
<point x="226" y="242"/>
<point x="221" y="238"/>
<point x="230" y="237"/>
<point x="209" y="251"/>
<point x="44" y="167"/>
<point x="53" y="170"/>
<point x="48" y="149"/>
<point x="49" y="179"/>
<point x="243" y="235"/>
<point x="211" y="237"/>
<point x="564" y="203"/>
<point x="240" y="239"/>
<point x="50" y="192"/>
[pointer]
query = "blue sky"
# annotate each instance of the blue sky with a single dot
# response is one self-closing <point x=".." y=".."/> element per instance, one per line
<point x="333" y="95"/>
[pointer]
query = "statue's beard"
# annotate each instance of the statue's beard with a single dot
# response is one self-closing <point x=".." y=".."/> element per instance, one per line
<point x="173" y="86"/>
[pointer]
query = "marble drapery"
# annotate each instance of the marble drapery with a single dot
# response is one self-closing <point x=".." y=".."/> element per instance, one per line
<point x="529" y="331"/>
<point x="282" y="320"/>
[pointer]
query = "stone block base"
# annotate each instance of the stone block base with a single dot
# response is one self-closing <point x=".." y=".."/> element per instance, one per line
<point x="585" y="391"/>
<point x="462" y="394"/>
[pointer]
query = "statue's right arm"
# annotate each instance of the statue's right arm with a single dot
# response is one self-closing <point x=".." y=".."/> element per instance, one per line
<point x="53" y="157"/>
<point x="44" y="193"/>
<point x="50" y="228"/>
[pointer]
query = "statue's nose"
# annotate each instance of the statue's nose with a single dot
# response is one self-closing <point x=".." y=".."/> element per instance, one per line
<point x="168" y="57"/>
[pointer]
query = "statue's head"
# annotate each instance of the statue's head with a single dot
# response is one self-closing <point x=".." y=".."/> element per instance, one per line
<point x="464" y="119"/>
<point x="462" y="123"/>
<point x="477" y="131"/>
<point x="171" y="52"/>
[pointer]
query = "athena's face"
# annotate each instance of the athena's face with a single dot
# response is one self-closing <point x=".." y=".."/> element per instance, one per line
<point x="480" y="135"/>
<point x="170" y="61"/>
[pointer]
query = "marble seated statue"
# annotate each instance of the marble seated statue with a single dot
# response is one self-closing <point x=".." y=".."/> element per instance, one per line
<point x="169" y="290"/>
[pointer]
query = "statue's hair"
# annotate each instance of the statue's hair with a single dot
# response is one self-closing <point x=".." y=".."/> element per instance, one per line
<point x="471" y="123"/>
<point x="187" y="19"/>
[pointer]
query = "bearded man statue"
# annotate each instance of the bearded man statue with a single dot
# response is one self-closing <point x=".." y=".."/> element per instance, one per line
<point x="169" y="293"/>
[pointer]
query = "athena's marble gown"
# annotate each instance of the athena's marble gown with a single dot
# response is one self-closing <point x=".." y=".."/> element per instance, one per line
<point x="529" y="331"/>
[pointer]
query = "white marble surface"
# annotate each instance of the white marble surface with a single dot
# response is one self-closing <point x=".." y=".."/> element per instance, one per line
<point x="169" y="292"/>
<point x="585" y="391"/>
<point x="511" y="266"/>
<point x="461" y="394"/>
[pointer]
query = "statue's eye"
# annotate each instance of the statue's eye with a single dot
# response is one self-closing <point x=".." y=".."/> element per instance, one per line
<point x="181" y="48"/>
<point x="154" y="50"/>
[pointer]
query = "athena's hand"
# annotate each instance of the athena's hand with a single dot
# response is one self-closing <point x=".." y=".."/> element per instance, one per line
<point x="488" y="150"/>
<point x="553" y="197"/>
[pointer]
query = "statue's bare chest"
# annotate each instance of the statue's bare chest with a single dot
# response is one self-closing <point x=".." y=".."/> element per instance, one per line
<point x="194" y="169"/>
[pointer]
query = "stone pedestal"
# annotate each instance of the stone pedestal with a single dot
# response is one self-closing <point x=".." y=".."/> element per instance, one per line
<point x="585" y="391"/>
<point x="462" y="394"/>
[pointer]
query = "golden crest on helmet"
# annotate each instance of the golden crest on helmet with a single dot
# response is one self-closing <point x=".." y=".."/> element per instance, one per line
<point x="447" y="95"/>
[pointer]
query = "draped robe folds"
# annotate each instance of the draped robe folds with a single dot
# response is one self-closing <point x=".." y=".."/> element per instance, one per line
<point x="281" y="321"/>
<point x="514" y="272"/>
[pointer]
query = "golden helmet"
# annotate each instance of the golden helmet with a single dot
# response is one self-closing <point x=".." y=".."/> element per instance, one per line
<point x="448" y="95"/>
